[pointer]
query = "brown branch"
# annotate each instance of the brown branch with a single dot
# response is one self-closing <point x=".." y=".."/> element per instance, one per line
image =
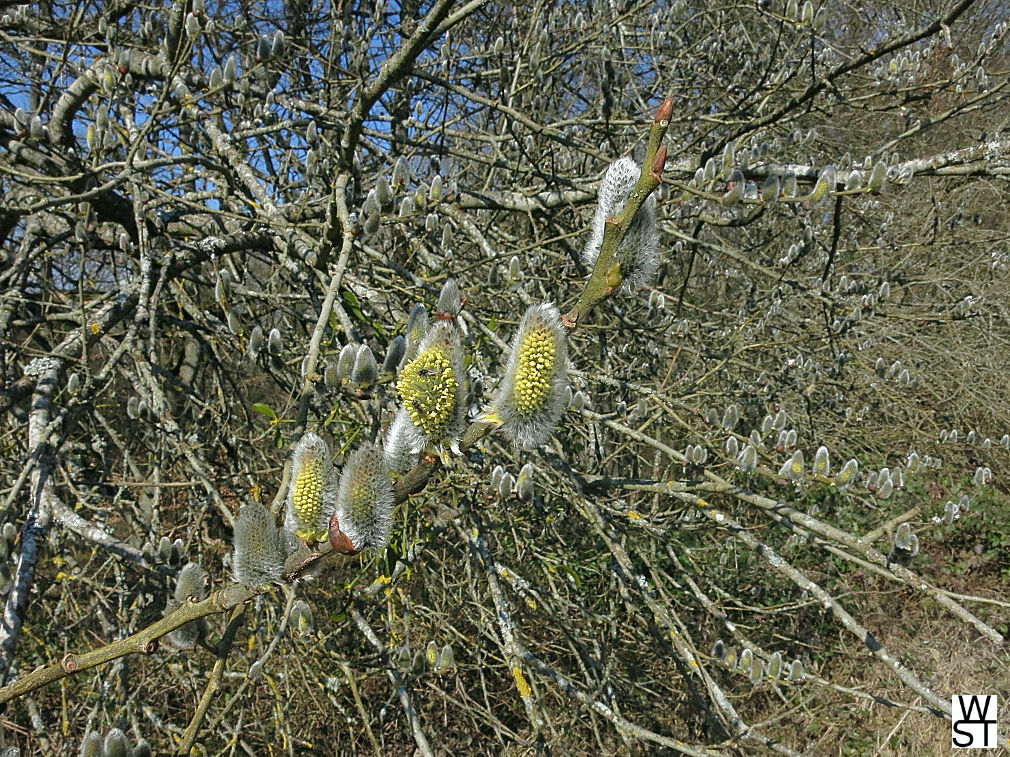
<point x="221" y="651"/>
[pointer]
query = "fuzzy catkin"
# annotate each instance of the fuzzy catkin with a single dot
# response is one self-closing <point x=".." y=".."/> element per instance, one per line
<point x="92" y="745"/>
<point x="365" y="500"/>
<point x="531" y="397"/>
<point x="638" y="253"/>
<point x="257" y="559"/>
<point x="417" y="327"/>
<point x="192" y="582"/>
<point x="404" y="443"/>
<point x="116" y="744"/>
<point x="432" y="386"/>
<point x="312" y="492"/>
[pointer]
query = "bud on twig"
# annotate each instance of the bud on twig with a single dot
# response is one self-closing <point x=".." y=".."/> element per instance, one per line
<point x="257" y="558"/>
<point x="364" y="511"/>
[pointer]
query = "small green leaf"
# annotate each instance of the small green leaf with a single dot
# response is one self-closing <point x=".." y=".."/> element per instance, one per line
<point x="264" y="409"/>
<point x="338" y="617"/>
<point x="573" y="574"/>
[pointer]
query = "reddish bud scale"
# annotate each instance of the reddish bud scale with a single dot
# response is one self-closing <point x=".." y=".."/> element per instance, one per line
<point x="659" y="162"/>
<point x="338" y="539"/>
<point x="664" y="112"/>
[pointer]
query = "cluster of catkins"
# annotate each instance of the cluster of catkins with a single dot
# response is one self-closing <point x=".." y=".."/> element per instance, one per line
<point x="432" y="382"/>
<point x="115" y="744"/>
<point x="353" y="511"/>
<point x="430" y="658"/>
<point x="747" y="662"/>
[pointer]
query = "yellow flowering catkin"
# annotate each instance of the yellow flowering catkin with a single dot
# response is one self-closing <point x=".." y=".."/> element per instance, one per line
<point x="307" y="494"/>
<point x="427" y="389"/>
<point x="313" y="489"/>
<point x="530" y="398"/>
<point x="534" y="369"/>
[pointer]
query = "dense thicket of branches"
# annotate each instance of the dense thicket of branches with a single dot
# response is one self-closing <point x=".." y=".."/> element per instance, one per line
<point x="177" y="176"/>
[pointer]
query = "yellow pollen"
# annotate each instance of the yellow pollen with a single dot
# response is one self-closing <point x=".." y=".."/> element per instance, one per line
<point x="308" y="494"/>
<point x="534" y="367"/>
<point x="427" y="389"/>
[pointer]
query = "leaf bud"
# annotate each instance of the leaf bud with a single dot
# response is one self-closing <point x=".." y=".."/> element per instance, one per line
<point x="796" y="671"/>
<point x="524" y="483"/>
<point x="92" y="746"/>
<point x="446" y="661"/>
<point x="255" y="342"/>
<point x="301" y="618"/>
<point x="822" y="462"/>
<point x="449" y="302"/>
<point x="394" y="354"/>
<point x="365" y="372"/>
<point x="775" y="665"/>
<point x="274" y="344"/>
<point x="164" y="549"/>
<point x="770" y="190"/>
<point x="277" y="44"/>
<point x="116" y="744"/>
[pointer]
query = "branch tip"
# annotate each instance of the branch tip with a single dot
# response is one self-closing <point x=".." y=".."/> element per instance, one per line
<point x="664" y="112"/>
